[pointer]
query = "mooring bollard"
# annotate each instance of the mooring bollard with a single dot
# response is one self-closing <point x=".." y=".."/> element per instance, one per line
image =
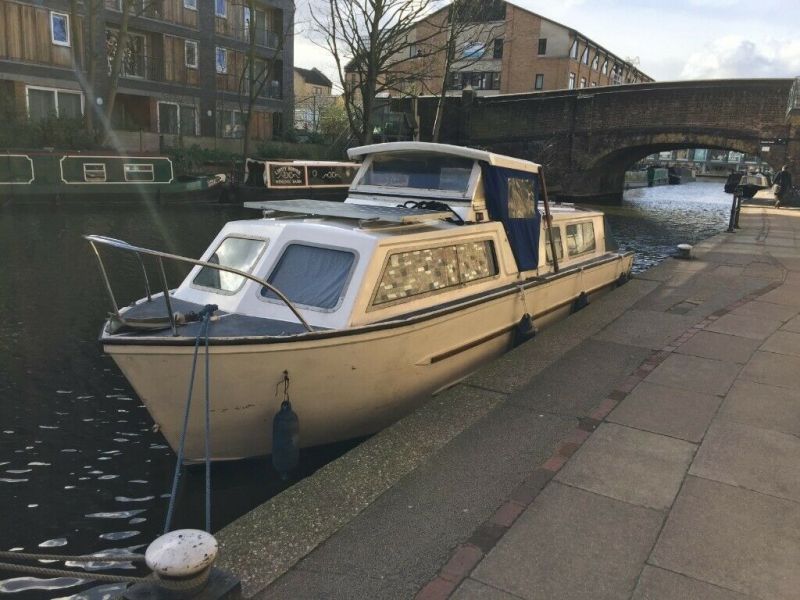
<point x="732" y="219"/>
<point x="738" y="199"/>
<point x="182" y="562"/>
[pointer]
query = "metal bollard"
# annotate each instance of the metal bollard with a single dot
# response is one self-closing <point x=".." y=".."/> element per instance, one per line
<point x="732" y="219"/>
<point x="182" y="562"/>
<point x="738" y="199"/>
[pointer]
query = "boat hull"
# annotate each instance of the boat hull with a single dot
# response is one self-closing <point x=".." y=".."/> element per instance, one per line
<point x="342" y="386"/>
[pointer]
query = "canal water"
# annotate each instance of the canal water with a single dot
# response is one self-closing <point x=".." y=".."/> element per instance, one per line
<point x="81" y="469"/>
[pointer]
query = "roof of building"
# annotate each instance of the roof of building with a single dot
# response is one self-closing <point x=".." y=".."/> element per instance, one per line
<point x="314" y="76"/>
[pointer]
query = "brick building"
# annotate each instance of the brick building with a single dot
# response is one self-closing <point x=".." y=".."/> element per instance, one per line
<point x="515" y="50"/>
<point x="181" y="68"/>
<point x="312" y="94"/>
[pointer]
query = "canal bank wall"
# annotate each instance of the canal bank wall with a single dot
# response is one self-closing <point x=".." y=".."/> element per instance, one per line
<point x="417" y="506"/>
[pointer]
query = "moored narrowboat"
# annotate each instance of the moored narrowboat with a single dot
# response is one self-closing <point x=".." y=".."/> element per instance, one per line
<point x="99" y="177"/>
<point x="266" y="180"/>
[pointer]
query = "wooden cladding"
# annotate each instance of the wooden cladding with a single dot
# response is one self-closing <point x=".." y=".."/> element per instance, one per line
<point x="175" y="69"/>
<point x="25" y="35"/>
<point x="173" y="11"/>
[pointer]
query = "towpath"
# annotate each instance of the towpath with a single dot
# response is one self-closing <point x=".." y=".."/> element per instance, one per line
<point x="646" y="447"/>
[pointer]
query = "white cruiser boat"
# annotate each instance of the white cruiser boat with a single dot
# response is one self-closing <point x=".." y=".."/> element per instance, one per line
<point x="371" y="305"/>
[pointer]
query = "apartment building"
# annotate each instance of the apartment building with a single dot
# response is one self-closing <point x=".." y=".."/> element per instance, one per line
<point x="181" y="68"/>
<point x="312" y="95"/>
<point x="512" y="50"/>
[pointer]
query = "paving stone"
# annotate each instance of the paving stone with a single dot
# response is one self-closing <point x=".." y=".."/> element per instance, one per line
<point x="766" y="310"/>
<point x="783" y="342"/>
<point x="646" y="328"/>
<point x="719" y="347"/>
<point x="630" y="465"/>
<point x="733" y="538"/>
<point x="658" y="584"/>
<point x="773" y="369"/>
<point x="475" y="590"/>
<point x="667" y="410"/>
<point x="748" y="326"/>
<point x="572" y="544"/>
<point x="763" y="406"/>
<point x="693" y="373"/>
<point x="788" y="295"/>
<point x="793" y="325"/>
<point x="758" y="459"/>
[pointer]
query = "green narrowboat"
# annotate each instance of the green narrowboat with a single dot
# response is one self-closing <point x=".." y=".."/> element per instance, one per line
<point x="100" y="177"/>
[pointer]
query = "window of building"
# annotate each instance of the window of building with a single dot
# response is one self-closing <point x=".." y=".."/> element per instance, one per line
<point x="585" y="56"/>
<point x="168" y="118"/>
<point x="428" y="271"/>
<point x="583" y="82"/>
<point x="312" y="276"/>
<point x="605" y="67"/>
<point x="573" y="51"/>
<point x="134" y="59"/>
<point x="59" y="28"/>
<point x="190" y="4"/>
<point x="190" y="51"/>
<point x="222" y="60"/>
<point x="594" y="84"/>
<point x="596" y="62"/>
<point x="542" y="46"/>
<point x="47" y="102"/>
<point x="557" y="239"/>
<point x="230" y="124"/>
<point x="114" y="5"/>
<point x="94" y="172"/>
<point x="489" y="80"/>
<point x="580" y="238"/>
<point x="474" y="50"/>
<point x="138" y="172"/>
<point x="497" y="52"/>
<point x="538" y="83"/>
<point x="571" y="84"/>
<point x="188" y="119"/>
<point x="234" y="252"/>
<point x="221" y="8"/>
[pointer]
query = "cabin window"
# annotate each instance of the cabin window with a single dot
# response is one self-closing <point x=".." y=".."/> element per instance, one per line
<point x="428" y="271"/>
<point x="94" y="172"/>
<point x="190" y="52"/>
<point x="59" y="28"/>
<point x="521" y="199"/>
<point x="138" y="172"/>
<point x="312" y="276"/>
<point x="557" y="239"/>
<point x="234" y="252"/>
<point x="419" y="171"/>
<point x="580" y="238"/>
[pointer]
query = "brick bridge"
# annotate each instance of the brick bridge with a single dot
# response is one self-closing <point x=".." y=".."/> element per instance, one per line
<point x="587" y="138"/>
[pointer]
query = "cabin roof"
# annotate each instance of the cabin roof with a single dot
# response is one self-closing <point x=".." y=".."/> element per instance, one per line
<point x="496" y="160"/>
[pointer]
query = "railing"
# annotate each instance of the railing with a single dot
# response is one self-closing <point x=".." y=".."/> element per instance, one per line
<point x="151" y="68"/>
<point x="234" y="82"/>
<point x="160" y="256"/>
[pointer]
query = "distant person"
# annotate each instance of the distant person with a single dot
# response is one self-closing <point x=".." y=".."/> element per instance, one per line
<point x="783" y="184"/>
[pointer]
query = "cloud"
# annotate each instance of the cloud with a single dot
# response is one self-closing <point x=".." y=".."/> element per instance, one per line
<point x="735" y="56"/>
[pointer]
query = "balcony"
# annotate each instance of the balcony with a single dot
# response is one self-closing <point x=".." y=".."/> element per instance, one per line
<point x="231" y="82"/>
<point x="151" y="68"/>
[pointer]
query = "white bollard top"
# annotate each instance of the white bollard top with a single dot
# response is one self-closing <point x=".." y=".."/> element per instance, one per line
<point x="684" y="247"/>
<point x="181" y="553"/>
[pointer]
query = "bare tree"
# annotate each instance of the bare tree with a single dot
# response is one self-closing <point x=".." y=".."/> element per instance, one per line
<point x="259" y="69"/>
<point x="89" y="64"/>
<point x="375" y="46"/>
<point x="471" y="28"/>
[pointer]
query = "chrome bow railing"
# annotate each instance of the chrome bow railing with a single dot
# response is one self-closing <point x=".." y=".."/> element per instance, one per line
<point x="160" y="256"/>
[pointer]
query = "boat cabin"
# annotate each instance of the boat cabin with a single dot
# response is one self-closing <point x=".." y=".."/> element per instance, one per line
<point x="423" y="224"/>
<point x="286" y="179"/>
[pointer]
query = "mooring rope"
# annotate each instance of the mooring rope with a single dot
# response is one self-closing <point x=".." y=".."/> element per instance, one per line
<point x="205" y="314"/>
<point x="45" y="572"/>
<point x="120" y="558"/>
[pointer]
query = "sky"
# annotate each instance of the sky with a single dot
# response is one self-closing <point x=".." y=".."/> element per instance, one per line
<point x="677" y="40"/>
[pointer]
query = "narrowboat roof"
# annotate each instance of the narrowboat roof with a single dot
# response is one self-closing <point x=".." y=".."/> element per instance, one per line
<point x="496" y="160"/>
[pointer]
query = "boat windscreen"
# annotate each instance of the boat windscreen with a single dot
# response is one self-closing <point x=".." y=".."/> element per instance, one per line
<point x="420" y="170"/>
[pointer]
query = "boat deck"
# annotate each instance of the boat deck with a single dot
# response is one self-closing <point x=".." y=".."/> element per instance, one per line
<point x="223" y="324"/>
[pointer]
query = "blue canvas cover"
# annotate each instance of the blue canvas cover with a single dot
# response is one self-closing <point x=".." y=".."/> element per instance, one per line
<point x="505" y="191"/>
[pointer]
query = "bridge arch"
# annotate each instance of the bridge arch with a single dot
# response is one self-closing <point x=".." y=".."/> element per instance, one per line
<point x="586" y="138"/>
